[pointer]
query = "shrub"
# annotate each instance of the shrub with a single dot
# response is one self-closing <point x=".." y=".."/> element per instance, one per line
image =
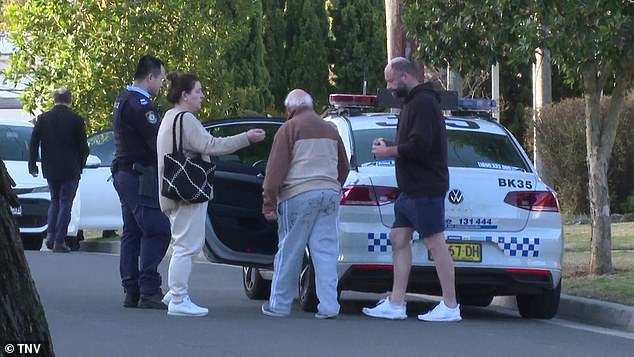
<point x="561" y="130"/>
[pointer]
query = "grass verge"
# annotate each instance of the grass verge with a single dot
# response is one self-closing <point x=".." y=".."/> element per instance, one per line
<point x="617" y="287"/>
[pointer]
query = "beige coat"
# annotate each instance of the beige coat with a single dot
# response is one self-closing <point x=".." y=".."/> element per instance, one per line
<point x="196" y="140"/>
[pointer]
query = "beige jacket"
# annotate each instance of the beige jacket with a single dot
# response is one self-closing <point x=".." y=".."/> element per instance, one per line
<point x="196" y="140"/>
<point x="307" y="154"/>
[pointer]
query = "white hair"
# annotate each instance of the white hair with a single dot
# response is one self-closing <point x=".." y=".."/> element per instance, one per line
<point x="297" y="99"/>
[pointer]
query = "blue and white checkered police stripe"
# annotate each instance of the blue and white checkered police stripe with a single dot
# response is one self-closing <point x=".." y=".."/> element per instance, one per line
<point x="517" y="247"/>
<point x="380" y="244"/>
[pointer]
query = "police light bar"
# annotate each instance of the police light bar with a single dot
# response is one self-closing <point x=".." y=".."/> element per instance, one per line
<point x="352" y="100"/>
<point x="476" y="104"/>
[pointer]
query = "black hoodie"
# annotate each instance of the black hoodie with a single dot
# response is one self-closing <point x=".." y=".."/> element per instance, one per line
<point x="421" y="166"/>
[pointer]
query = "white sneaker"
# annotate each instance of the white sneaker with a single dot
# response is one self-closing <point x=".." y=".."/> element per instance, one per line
<point x="385" y="310"/>
<point x="167" y="297"/>
<point x="442" y="313"/>
<point x="186" y="308"/>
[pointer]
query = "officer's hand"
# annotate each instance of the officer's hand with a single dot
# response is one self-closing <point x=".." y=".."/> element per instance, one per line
<point x="270" y="216"/>
<point x="256" y="135"/>
<point x="34" y="172"/>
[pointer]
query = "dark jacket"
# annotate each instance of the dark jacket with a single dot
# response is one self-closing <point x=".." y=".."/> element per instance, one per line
<point x="421" y="165"/>
<point x="62" y="135"/>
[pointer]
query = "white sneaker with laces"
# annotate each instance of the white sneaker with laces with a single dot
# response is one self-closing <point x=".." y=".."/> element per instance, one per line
<point x="442" y="313"/>
<point x="186" y="308"/>
<point x="385" y="310"/>
<point x="167" y="297"/>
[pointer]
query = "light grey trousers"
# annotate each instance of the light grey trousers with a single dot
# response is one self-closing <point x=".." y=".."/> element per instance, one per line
<point x="310" y="218"/>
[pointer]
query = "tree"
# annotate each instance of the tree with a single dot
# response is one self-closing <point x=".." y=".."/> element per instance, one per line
<point x="306" y="51"/>
<point x="22" y="316"/>
<point x="359" y="46"/>
<point x="600" y="57"/>
<point x="92" y="47"/>
<point x="274" y="34"/>
<point x="245" y="56"/>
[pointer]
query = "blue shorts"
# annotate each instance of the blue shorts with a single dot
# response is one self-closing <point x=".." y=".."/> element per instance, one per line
<point x="424" y="214"/>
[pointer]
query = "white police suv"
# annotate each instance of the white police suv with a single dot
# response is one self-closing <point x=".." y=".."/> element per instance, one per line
<point x="502" y="222"/>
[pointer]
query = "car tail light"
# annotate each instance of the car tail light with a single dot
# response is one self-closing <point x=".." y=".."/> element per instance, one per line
<point x="540" y="201"/>
<point x="363" y="195"/>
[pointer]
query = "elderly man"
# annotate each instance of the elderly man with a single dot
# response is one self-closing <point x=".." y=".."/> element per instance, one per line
<point x="306" y="168"/>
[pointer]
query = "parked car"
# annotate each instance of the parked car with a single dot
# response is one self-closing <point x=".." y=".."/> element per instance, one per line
<point x="33" y="193"/>
<point x="502" y="222"/>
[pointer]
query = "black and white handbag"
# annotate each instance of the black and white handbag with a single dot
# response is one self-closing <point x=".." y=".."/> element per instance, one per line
<point x="186" y="179"/>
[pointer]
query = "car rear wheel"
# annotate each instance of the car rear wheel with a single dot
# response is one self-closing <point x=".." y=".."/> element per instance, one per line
<point x="32" y="241"/>
<point x="307" y="289"/>
<point x="255" y="286"/>
<point x="539" y="306"/>
<point x="476" y="300"/>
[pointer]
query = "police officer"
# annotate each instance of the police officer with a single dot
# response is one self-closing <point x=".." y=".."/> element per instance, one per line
<point x="146" y="230"/>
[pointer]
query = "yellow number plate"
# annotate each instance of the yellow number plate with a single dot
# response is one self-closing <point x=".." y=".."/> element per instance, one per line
<point x="463" y="252"/>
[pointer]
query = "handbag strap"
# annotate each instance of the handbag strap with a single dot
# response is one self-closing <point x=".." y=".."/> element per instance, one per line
<point x="178" y="148"/>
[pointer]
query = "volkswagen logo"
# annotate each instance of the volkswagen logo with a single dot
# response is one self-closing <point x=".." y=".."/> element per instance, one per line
<point x="455" y="197"/>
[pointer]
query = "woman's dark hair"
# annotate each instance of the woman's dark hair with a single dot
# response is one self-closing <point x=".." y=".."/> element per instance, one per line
<point x="179" y="83"/>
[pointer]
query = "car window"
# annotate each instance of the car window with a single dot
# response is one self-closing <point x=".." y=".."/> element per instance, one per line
<point x="363" y="142"/>
<point x="102" y="146"/>
<point x="483" y="150"/>
<point x="14" y="142"/>
<point x="252" y="155"/>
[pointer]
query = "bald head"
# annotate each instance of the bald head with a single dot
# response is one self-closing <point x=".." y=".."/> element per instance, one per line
<point x="298" y="98"/>
<point x="401" y="76"/>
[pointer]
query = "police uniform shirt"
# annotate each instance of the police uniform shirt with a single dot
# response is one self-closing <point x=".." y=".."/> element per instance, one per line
<point x="136" y="123"/>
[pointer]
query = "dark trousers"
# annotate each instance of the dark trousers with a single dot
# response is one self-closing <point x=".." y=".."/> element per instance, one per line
<point x="146" y="236"/>
<point x="62" y="195"/>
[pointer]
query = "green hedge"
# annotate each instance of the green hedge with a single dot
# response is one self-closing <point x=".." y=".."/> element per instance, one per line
<point x="562" y="132"/>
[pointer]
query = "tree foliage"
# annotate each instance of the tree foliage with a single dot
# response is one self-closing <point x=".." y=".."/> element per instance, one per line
<point x="598" y="57"/>
<point x="92" y="47"/>
<point x="274" y="35"/>
<point x="306" y="48"/>
<point x="359" y="48"/>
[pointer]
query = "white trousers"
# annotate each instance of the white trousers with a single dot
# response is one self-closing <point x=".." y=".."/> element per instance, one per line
<point x="188" y="232"/>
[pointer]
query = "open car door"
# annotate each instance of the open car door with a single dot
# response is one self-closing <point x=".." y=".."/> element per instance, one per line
<point x="236" y="233"/>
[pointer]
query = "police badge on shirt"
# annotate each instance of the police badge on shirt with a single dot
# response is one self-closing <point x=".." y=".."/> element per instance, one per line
<point x="151" y="117"/>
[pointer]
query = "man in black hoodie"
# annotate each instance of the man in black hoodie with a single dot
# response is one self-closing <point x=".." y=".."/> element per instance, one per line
<point x="423" y="178"/>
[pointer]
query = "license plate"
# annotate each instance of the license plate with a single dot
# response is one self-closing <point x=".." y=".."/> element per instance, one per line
<point x="463" y="252"/>
<point x="17" y="211"/>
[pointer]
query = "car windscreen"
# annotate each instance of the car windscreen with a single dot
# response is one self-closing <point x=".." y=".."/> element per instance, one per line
<point x="14" y="142"/>
<point x="102" y="146"/>
<point x="465" y="148"/>
<point x="475" y="149"/>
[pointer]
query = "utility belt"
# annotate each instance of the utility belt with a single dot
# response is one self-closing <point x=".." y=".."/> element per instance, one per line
<point x="148" y="176"/>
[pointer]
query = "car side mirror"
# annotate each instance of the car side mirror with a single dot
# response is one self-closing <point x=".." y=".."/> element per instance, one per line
<point x="93" y="162"/>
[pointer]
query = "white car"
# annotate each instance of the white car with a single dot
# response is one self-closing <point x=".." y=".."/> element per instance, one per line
<point x="502" y="222"/>
<point x="33" y="193"/>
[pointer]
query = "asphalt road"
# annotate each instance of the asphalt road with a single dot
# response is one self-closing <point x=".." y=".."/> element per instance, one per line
<point x="82" y="299"/>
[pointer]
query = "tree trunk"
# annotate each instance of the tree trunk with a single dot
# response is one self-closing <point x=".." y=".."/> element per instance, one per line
<point x="600" y="134"/>
<point x="394" y="29"/>
<point x="22" y="318"/>
<point x="542" y="96"/>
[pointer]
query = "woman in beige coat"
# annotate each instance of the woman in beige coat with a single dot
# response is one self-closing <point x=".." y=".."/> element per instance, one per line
<point x="188" y="220"/>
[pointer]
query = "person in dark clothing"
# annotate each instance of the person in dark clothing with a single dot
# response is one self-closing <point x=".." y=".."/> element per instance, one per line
<point x="62" y="136"/>
<point x="422" y="176"/>
<point x="146" y="230"/>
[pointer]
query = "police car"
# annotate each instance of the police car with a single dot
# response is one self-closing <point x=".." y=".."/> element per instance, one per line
<point x="503" y="224"/>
